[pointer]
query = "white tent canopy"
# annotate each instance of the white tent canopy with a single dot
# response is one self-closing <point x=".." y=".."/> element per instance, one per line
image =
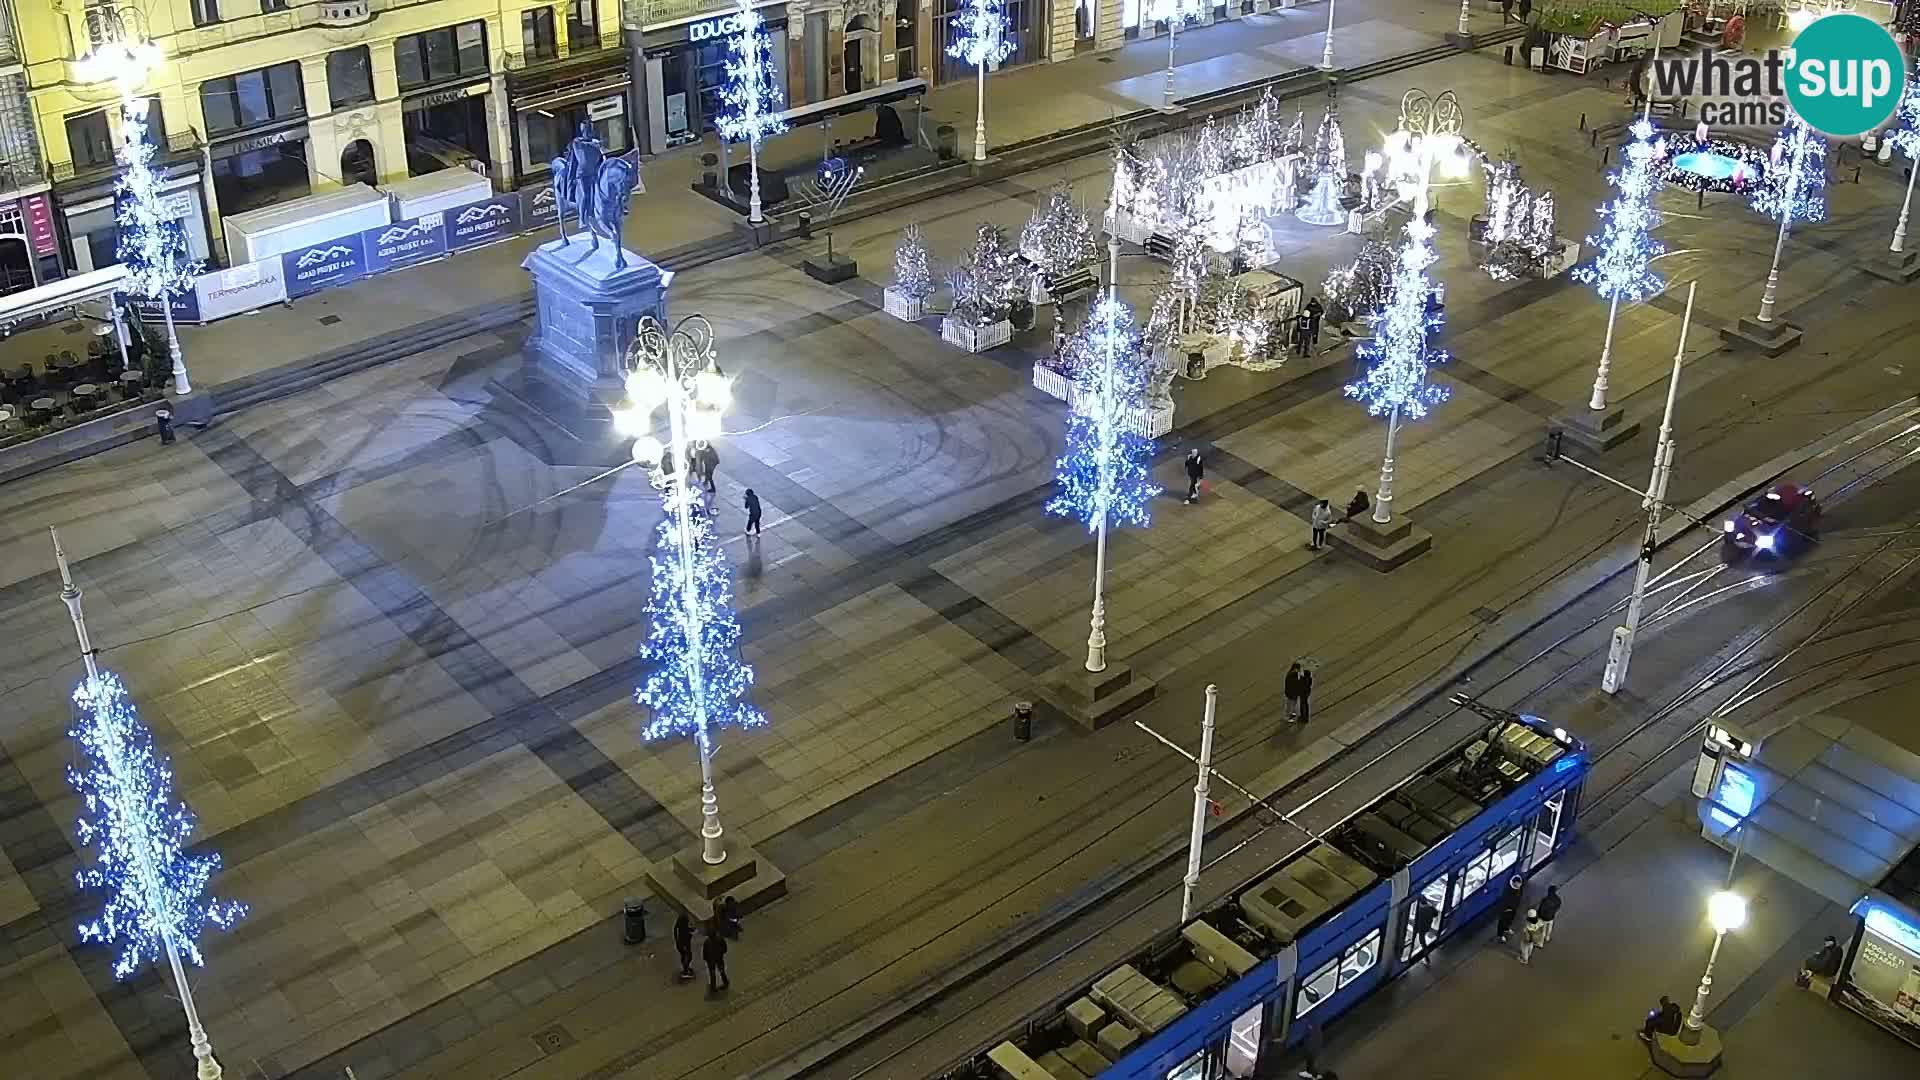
<point x="57" y="296"/>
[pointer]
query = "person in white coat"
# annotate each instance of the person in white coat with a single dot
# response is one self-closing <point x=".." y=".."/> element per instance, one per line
<point x="1321" y="517"/>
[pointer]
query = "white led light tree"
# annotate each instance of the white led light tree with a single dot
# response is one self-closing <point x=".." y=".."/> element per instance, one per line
<point x="1794" y="190"/>
<point x="981" y="38"/>
<point x="1906" y="139"/>
<point x="1622" y="269"/>
<point x="751" y="100"/>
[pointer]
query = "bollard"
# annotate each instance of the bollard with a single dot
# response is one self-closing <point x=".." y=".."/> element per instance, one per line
<point x="163" y="420"/>
<point x="1700" y="199"/>
<point x="1553" y="446"/>
<point x="1509" y="56"/>
<point x="1023" y="721"/>
<point x="634" y="926"/>
<point x="1583" y="121"/>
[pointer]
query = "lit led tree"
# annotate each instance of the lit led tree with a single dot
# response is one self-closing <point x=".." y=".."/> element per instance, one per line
<point x="1794" y="190"/>
<point x="1396" y="385"/>
<point x="1175" y="13"/>
<point x="1906" y="139"/>
<point x="1058" y="238"/>
<point x="1104" y="476"/>
<point x="912" y="276"/>
<point x="981" y="38"/>
<point x="1623" y="268"/>
<point x="751" y="100"/>
<point x="1328" y="164"/>
<point x="157" y="904"/>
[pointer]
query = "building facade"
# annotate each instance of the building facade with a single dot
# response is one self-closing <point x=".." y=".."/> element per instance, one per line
<point x="29" y="248"/>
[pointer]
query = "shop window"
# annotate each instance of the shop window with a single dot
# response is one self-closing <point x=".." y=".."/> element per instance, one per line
<point x="451" y="52"/>
<point x="583" y="25"/>
<point x="536" y="34"/>
<point x="263" y="177"/>
<point x="905" y="33"/>
<point x="252" y="98"/>
<point x="1506" y="852"/>
<point x="205" y="12"/>
<point x="270" y="6"/>
<point x="349" y="76"/>
<point x="1129" y="14"/>
<point x="545" y="132"/>
<point x="89" y="139"/>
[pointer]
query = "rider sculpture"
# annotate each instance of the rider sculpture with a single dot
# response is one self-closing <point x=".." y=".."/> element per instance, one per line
<point x="597" y="189"/>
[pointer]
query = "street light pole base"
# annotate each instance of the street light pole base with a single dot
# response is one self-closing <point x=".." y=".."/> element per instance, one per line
<point x="1595" y="430"/>
<point x="1897" y="267"/>
<point x="694" y="886"/>
<point x="1094" y="699"/>
<point x="1767" y="338"/>
<point x="1673" y="1055"/>
<point x="1461" y="41"/>
<point x="1382" y="547"/>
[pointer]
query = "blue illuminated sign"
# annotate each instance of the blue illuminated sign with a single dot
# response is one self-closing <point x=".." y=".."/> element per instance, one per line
<point x="1734" y="797"/>
<point x="1890" y="924"/>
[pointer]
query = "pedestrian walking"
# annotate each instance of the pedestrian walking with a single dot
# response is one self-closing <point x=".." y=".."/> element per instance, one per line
<point x="1313" y="1046"/>
<point x="1321" y="517"/>
<point x="1315" y="312"/>
<point x="1423" y="917"/>
<point x="1549" y="910"/>
<point x="714" y="952"/>
<point x="1196" y="472"/>
<point x="1306" y="694"/>
<point x="705" y="460"/>
<point x="1303" y="334"/>
<point x="1510" y="901"/>
<point x="729" y="915"/>
<point x="1506" y="11"/>
<point x="1530" y="936"/>
<point x="683" y="944"/>
<point x="1291" y="688"/>
<point x="753" y="513"/>
<point x="1359" y="504"/>
<point x="1526" y="10"/>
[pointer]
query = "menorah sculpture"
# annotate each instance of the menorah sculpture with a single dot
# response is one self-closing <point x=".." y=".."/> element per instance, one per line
<point x="824" y="193"/>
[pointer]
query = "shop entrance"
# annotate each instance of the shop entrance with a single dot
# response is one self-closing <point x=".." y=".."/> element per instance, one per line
<point x="356" y="164"/>
<point x="446" y="135"/>
<point x="16" y="264"/>
<point x="859" y="36"/>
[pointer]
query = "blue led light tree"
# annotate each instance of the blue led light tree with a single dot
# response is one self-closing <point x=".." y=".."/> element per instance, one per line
<point x="1104" y="476"/>
<point x="1905" y="137"/>
<point x="1622" y="269"/>
<point x="1794" y="190"/>
<point x="157" y="904"/>
<point x="980" y="37"/>
<point x="696" y="682"/>
<point x="751" y="101"/>
<point x="1398" y="356"/>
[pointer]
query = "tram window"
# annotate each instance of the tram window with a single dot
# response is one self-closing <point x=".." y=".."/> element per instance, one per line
<point x="1506" y="851"/>
<point x="1546" y="827"/>
<point x="1318" y="987"/>
<point x="1194" y="1068"/>
<point x="1360" y="958"/>
<point x="1435" y="892"/>
<point x="1475" y="874"/>
<point x="1243" y="1043"/>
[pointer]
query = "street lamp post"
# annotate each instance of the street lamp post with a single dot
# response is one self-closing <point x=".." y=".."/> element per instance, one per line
<point x="1199" y="831"/>
<point x="1326" y="52"/>
<point x="1429" y="133"/>
<point x="1727" y="911"/>
<point x="677" y="368"/>
<point x="1463" y="18"/>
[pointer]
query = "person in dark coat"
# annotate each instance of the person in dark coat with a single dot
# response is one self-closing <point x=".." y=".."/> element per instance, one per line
<point x="683" y="944"/>
<point x="1526" y="10"/>
<point x="1510" y="901"/>
<point x="1359" y="504"/>
<point x="1424" y="915"/>
<point x="753" y="512"/>
<point x="714" y="952"/>
<point x="1291" y="687"/>
<point x="729" y="915"/>
<point x="1196" y="472"/>
<point x="1306" y="694"/>
<point x="705" y="460"/>
<point x="1663" y="1020"/>
<point x="1826" y="963"/>
<point x="1315" y="311"/>
<point x="1506" y="11"/>
<point x="1303" y="334"/>
<point x="1549" y="910"/>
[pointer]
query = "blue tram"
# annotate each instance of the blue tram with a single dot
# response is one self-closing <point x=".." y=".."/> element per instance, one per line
<point x="1243" y="982"/>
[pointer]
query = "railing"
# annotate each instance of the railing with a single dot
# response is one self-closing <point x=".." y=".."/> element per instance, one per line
<point x="16" y="175"/>
<point x="177" y="143"/>
<point x="523" y="59"/>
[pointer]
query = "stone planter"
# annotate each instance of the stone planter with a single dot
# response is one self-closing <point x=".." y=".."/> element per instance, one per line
<point x="1050" y="382"/>
<point x="975" y="338"/>
<point x="901" y="306"/>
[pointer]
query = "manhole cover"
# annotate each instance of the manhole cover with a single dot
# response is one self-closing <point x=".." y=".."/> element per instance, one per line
<point x="329" y="320"/>
<point x="553" y="1039"/>
<point x="1486" y="615"/>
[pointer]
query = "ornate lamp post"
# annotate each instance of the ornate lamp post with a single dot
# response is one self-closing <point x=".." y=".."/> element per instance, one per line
<point x="1726" y="911"/>
<point x="1326" y="53"/>
<point x="676" y="368"/>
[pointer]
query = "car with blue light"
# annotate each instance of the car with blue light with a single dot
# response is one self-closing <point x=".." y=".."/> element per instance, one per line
<point x="1777" y="523"/>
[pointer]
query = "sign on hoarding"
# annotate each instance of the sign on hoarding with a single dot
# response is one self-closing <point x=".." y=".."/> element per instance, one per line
<point x="186" y="307"/>
<point x="243" y="288"/>
<point x="323" y="265"/>
<point x="540" y="207"/>
<point x="403" y="243"/>
<point x="483" y="222"/>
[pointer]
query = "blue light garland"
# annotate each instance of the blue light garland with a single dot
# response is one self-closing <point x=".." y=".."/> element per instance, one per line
<point x="1796" y="182"/>
<point x="157" y="891"/>
<point x="687" y="684"/>
<point x="980" y="34"/>
<point x="1105" y="473"/>
<point x="1622" y="270"/>
<point x="1905" y="134"/>
<point x="750" y="101"/>
<point x="1398" y="356"/>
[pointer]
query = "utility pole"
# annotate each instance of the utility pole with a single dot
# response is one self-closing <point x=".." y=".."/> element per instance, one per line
<point x="1195" y="837"/>
<point x="1620" y="651"/>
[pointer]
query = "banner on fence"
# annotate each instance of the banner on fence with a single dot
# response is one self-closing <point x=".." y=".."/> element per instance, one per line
<point x="242" y="288"/>
<point x="483" y="222"/>
<point x="324" y="265"/>
<point x="540" y="207"/>
<point x="404" y="243"/>
<point x="186" y="307"/>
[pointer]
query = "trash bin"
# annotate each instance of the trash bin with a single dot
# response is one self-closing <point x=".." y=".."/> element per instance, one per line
<point x="1023" y="721"/>
<point x="163" y="420"/>
<point x="709" y="178"/>
<point x="946" y="142"/>
<point x="635" y="911"/>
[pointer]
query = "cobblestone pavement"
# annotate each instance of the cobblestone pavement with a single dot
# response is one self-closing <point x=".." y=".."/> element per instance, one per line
<point x="394" y="670"/>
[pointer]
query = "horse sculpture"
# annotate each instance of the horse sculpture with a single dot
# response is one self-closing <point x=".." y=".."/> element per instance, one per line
<point x="597" y="189"/>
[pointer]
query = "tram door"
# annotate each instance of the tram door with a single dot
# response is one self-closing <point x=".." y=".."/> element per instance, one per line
<point x="1420" y="927"/>
<point x="1546" y="829"/>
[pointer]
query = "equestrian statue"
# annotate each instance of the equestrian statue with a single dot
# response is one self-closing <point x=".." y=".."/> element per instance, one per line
<point x="598" y="190"/>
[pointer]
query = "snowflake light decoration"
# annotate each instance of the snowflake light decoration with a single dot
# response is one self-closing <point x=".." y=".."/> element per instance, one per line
<point x="1104" y="475"/>
<point x="157" y="890"/>
<point x="1398" y="355"/>
<point x="696" y="680"/>
<point x="1796" y="181"/>
<point x="1623" y="268"/>
<point x="751" y="101"/>
<point x="1905" y="134"/>
<point x="980" y="34"/>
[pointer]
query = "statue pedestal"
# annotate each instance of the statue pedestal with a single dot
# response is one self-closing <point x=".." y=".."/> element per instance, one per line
<point x="586" y="313"/>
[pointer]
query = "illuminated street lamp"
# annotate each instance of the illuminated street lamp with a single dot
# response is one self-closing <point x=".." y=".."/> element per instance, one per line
<point x="1726" y="911"/>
